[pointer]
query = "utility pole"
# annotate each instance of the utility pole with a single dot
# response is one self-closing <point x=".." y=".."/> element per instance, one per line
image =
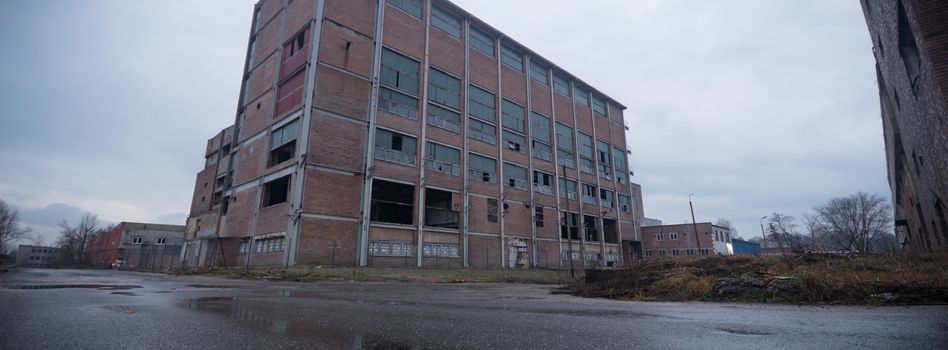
<point x="763" y="236"/>
<point x="569" y="233"/>
<point x="694" y="224"/>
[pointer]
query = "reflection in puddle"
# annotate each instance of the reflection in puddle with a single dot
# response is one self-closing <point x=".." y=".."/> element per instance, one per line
<point x="60" y="286"/>
<point x="258" y="315"/>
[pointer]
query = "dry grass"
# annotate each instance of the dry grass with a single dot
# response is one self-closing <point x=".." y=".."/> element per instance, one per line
<point x="302" y="274"/>
<point x="826" y="279"/>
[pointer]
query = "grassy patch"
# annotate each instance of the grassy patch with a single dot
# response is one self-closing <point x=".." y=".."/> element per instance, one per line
<point x="313" y="273"/>
<point x="824" y="279"/>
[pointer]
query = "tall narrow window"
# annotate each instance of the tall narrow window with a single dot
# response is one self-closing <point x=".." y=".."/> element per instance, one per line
<point x="444" y="89"/>
<point x="560" y="85"/>
<point x="908" y="48"/>
<point x="625" y="203"/>
<point x="567" y="188"/>
<point x="514" y="116"/>
<point x="586" y="154"/>
<point x="538" y="215"/>
<point x="399" y="77"/>
<point x="605" y="161"/>
<point x="538" y="73"/>
<point x="492" y="210"/>
<point x="605" y="198"/>
<point x="599" y="106"/>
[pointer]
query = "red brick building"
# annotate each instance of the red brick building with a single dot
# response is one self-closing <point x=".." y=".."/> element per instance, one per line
<point x="678" y="241"/>
<point x="910" y="44"/>
<point x="137" y="245"/>
<point x="409" y="133"/>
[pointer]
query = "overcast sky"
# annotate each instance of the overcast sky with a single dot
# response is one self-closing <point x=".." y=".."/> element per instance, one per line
<point x="754" y="106"/>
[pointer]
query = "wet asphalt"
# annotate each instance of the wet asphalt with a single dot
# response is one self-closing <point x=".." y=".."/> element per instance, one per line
<point x="90" y="309"/>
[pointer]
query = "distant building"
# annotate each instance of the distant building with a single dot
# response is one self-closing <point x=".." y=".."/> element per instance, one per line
<point x="910" y="39"/>
<point x="409" y="133"/>
<point x="36" y="256"/>
<point x="651" y="222"/>
<point x="678" y="241"/>
<point x="137" y="245"/>
<point x="742" y="247"/>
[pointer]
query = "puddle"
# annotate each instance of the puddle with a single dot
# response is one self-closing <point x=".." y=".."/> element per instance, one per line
<point x="125" y="293"/>
<point x="743" y="332"/>
<point x="120" y="308"/>
<point x="210" y="286"/>
<point x="256" y="314"/>
<point x="88" y="286"/>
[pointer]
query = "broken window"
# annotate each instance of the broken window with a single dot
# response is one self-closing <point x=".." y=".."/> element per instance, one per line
<point x="283" y="143"/>
<point x="492" y="210"/>
<point x="543" y="182"/>
<point x="482" y="168"/>
<point x="394" y="147"/>
<point x="605" y="198"/>
<point x="567" y="188"/>
<point x="276" y="191"/>
<point x="444" y="118"/>
<point x="542" y="151"/>
<point x="908" y="49"/>
<point x="443" y="159"/>
<point x="565" y="158"/>
<point x="589" y="194"/>
<point x="515" y="142"/>
<point x="609" y="232"/>
<point x="515" y="176"/>
<point x="399" y="75"/>
<point x="569" y="225"/>
<point x="442" y="250"/>
<point x="440" y="209"/>
<point x="591" y="228"/>
<point x="390" y="248"/>
<point x="392" y="202"/>
<point x="605" y="161"/>
<point x="625" y="203"/>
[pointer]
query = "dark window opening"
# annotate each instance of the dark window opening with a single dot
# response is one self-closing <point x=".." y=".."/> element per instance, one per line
<point x="282" y="153"/>
<point x="392" y="202"/>
<point x="216" y="199"/>
<point x="439" y="209"/>
<point x="225" y="205"/>
<point x="609" y="231"/>
<point x="590" y="228"/>
<point x="276" y="191"/>
<point x="538" y="215"/>
<point x="569" y="225"/>
<point x="492" y="210"/>
<point x="908" y="49"/>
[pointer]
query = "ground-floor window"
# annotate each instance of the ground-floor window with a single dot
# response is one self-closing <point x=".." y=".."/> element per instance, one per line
<point x="443" y="250"/>
<point x="270" y="245"/>
<point x="390" y="248"/>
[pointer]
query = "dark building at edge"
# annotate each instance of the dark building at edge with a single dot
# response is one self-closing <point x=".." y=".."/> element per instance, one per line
<point x="910" y="44"/>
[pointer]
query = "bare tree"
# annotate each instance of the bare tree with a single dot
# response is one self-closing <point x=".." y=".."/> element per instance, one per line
<point x="38" y="240"/>
<point x="72" y="239"/>
<point x="855" y="223"/>
<point x="783" y="232"/>
<point x="10" y="229"/>
<point x="727" y="223"/>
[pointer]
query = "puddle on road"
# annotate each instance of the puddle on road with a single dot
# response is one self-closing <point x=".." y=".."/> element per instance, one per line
<point x="741" y="331"/>
<point x="210" y="286"/>
<point x="125" y="293"/>
<point x="262" y="318"/>
<point x="61" y="286"/>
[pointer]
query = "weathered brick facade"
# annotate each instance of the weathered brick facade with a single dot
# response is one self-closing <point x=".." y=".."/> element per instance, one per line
<point x="678" y="241"/>
<point x="353" y="200"/>
<point x="910" y="44"/>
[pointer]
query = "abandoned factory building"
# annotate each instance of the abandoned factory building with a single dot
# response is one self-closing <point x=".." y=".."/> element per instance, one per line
<point x="910" y="44"/>
<point x="409" y="133"/>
